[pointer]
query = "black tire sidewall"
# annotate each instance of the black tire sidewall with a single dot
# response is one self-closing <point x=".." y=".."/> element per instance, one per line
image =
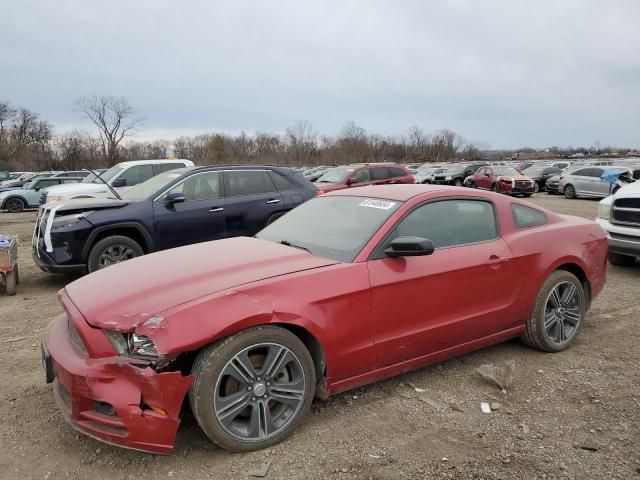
<point x="213" y="359"/>
<point x="101" y="245"/>
<point x="14" y="199"/>
<point x="572" y="191"/>
<point x="536" y="336"/>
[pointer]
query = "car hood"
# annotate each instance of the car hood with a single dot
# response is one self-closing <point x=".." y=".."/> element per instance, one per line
<point x="629" y="189"/>
<point x="122" y="296"/>
<point x="72" y="188"/>
<point x="82" y="204"/>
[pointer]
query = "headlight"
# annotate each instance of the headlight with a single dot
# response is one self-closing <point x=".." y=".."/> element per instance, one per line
<point x="604" y="211"/>
<point x="447" y="177"/>
<point x="132" y="344"/>
<point x="65" y="221"/>
<point x="54" y="198"/>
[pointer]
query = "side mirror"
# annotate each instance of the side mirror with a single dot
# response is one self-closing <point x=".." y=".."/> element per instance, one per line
<point x="119" y="182"/>
<point x="409" y="247"/>
<point x="175" y="197"/>
<point x="351" y="181"/>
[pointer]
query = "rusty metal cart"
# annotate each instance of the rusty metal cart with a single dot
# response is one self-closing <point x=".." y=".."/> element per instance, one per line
<point x="9" y="262"/>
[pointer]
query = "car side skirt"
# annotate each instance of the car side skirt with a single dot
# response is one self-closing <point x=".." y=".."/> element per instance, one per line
<point x="419" y="362"/>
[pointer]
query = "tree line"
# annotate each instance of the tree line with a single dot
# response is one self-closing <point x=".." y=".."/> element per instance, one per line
<point x="28" y="142"/>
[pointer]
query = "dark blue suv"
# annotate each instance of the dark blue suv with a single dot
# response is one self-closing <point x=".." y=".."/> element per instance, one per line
<point x="175" y="208"/>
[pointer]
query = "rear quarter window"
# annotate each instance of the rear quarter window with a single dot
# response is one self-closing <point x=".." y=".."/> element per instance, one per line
<point x="281" y="182"/>
<point x="397" y="172"/>
<point x="526" y="217"/>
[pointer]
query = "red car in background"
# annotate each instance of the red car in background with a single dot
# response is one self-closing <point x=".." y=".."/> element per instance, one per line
<point x="362" y="174"/>
<point x="349" y="288"/>
<point x="503" y="180"/>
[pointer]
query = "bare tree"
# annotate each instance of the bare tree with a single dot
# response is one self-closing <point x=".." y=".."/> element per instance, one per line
<point x="301" y="141"/>
<point x="114" y="118"/>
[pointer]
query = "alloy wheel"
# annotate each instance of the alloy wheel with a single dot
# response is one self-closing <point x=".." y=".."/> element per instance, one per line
<point x="115" y="254"/>
<point x="563" y="313"/>
<point x="15" y="205"/>
<point x="259" y="392"/>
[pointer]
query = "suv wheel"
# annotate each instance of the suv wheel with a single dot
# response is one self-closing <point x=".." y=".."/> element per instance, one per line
<point x="569" y="191"/>
<point x="111" y="250"/>
<point x="458" y="182"/>
<point x="14" y="205"/>
<point x="621" y="260"/>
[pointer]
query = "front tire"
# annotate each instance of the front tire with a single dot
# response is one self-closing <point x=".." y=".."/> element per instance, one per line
<point x="458" y="182"/>
<point x="621" y="260"/>
<point x="570" y="191"/>
<point x="111" y="250"/>
<point x="495" y="188"/>
<point x="558" y="313"/>
<point x="14" y="205"/>
<point x="11" y="279"/>
<point x="252" y="389"/>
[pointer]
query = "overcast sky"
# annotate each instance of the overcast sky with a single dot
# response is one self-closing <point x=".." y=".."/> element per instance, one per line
<point x="506" y="73"/>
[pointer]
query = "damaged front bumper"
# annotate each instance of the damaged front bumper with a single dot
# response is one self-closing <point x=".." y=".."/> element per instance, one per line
<point x="115" y="399"/>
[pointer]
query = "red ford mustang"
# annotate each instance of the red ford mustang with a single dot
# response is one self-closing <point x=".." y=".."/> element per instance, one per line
<point x="347" y="289"/>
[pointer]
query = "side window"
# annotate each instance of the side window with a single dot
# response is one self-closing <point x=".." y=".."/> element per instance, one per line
<point x="47" y="183"/>
<point x="247" y="182"/>
<point x="396" y="172"/>
<point x="69" y="180"/>
<point x="582" y="172"/>
<point x="280" y="182"/>
<point x="136" y="174"/>
<point x="379" y="173"/>
<point x="527" y="217"/>
<point x="451" y="222"/>
<point x="203" y="186"/>
<point x="165" y="167"/>
<point x="362" y="175"/>
<point x="595" y="172"/>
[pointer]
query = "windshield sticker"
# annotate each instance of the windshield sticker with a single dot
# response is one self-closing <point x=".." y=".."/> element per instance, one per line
<point x="380" y="204"/>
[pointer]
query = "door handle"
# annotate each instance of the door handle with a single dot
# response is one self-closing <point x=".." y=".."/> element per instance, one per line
<point x="214" y="210"/>
<point x="495" y="260"/>
<point x="270" y="202"/>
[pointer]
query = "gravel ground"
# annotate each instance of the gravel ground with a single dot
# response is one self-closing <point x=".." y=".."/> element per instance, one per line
<point x="570" y="415"/>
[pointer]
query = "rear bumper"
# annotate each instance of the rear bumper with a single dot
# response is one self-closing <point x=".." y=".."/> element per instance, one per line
<point x="111" y="399"/>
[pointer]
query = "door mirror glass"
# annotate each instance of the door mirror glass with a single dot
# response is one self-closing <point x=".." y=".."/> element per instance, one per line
<point x="119" y="182"/>
<point x="409" y="247"/>
<point x="352" y="180"/>
<point x="175" y="197"/>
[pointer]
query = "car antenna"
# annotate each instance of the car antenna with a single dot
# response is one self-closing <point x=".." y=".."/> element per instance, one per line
<point x="102" y="180"/>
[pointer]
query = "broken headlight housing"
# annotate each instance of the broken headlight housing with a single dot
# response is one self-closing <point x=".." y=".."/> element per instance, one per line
<point x="132" y="344"/>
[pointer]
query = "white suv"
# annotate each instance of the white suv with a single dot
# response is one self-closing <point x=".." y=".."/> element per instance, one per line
<point x="120" y="177"/>
<point x="619" y="216"/>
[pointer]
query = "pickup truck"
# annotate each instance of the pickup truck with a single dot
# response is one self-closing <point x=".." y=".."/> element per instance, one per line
<point x="619" y="217"/>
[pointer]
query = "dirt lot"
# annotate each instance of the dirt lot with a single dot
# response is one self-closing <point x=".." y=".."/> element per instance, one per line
<point x="590" y="393"/>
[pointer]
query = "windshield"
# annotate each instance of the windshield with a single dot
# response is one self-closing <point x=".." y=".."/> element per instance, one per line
<point x="144" y="190"/>
<point x="335" y="175"/>
<point x="508" y="171"/>
<point x="106" y="176"/>
<point x="532" y="170"/>
<point x="331" y="227"/>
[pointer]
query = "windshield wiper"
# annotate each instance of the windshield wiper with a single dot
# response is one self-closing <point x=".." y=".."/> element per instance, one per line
<point x="98" y="177"/>
<point x="289" y="244"/>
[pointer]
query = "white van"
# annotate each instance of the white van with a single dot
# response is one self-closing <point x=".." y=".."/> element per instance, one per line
<point x="120" y="177"/>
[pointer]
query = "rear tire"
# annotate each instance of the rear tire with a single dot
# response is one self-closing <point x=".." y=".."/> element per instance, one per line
<point x="10" y="282"/>
<point x="458" y="182"/>
<point x="621" y="260"/>
<point x="110" y="250"/>
<point x="557" y="315"/>
<point x="14" y="205"/>
<point x="225" y="396"/>
<point x="274" y="217"/>
<point x="569" y="191"/>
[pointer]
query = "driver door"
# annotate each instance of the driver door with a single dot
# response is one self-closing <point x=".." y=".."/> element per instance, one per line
<point x="200" y="218"/>
<point x="461" y="292"/>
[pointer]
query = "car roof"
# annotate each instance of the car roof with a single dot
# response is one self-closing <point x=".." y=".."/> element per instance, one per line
<point x="146" y="162"/>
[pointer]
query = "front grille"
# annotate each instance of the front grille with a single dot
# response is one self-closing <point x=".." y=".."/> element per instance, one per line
<point x="439" y="178"/>
<point x="522" y="184"/>
<point x="626" y="211"/>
